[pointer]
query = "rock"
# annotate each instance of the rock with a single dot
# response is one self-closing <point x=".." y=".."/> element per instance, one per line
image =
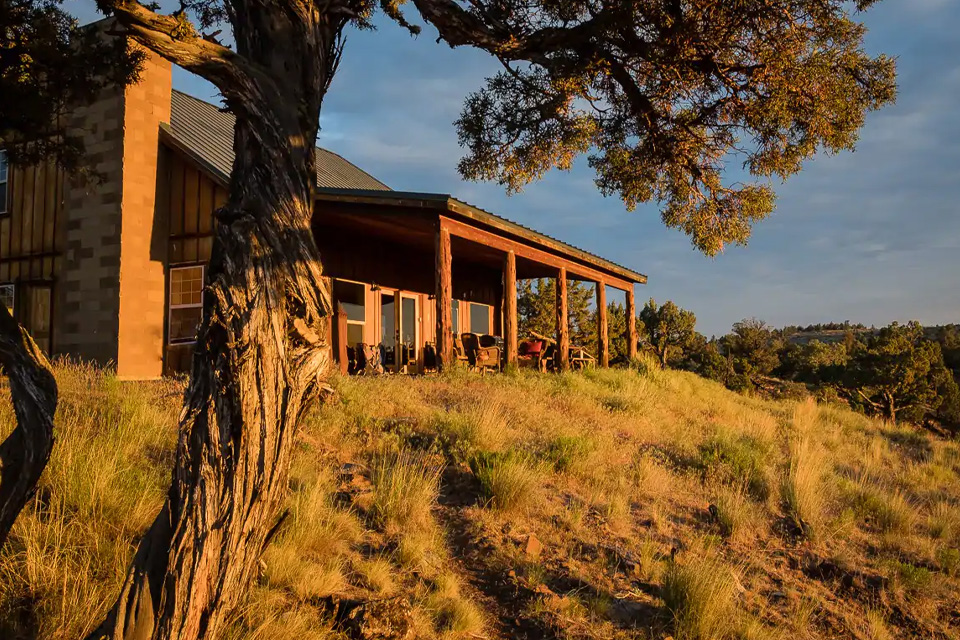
<point x="389" y="619"/>
<point x="534" y="547"/>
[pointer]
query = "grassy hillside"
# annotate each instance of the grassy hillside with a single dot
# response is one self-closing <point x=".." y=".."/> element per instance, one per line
<point x="610" y="504"/>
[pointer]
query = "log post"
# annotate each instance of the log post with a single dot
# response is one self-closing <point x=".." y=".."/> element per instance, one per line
<point x="510" y="306"/>
<point x="563" y="329"/>
<point x="603" y="338"/>
<point x="631" y="324"/>
<point x="444" y="298"/>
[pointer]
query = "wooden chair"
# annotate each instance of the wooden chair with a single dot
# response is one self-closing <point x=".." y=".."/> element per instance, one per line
<point x="459" y="351"/>
<point x="481" y="358"/>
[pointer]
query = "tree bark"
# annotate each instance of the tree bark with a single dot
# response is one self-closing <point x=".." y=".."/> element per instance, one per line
<point x="33" y="390"/>
<point x="262" y="351"/>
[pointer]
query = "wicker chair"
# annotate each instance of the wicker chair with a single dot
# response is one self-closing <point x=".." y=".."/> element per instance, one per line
<point x="481" y="358"/>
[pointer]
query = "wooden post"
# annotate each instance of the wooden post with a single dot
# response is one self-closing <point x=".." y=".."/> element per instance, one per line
<point x="603" y="338"/>
<point x="444" y="298"/>
<point x="510" y="306"/>
<point x="563" y="330"/>
<point x="631" y="324"/>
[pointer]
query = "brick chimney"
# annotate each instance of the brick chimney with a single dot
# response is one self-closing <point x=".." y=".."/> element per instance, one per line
<point x="112" y="283"/>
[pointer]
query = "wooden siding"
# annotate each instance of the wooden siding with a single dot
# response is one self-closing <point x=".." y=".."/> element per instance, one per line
<point x="31" y="233"/>
<point x="190" y="201"/>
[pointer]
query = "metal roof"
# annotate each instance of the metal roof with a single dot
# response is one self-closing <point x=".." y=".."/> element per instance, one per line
<point x="207" y="132"/>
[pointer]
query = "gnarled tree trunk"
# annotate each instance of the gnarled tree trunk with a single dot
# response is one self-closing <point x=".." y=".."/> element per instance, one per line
<point x="33" y="389"/>
<point x="262" y="352"/>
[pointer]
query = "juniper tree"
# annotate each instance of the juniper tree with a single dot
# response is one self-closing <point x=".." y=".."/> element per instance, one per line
<point x="659" y="93"/>
<point x="667" y="329"/>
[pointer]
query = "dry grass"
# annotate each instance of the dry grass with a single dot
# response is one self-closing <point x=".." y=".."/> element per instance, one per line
<point x="699" y="593"/>
<point x="611" y="471"/>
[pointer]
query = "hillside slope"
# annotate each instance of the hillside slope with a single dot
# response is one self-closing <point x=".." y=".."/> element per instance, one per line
<point x="609" y="504"/>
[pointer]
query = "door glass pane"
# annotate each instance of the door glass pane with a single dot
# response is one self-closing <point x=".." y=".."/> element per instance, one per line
<point x="455" y="314"/>
<point x="479" y="319"/>
<point x="408" y="329"/>
<point x="388" y="327"/>
<point x="354" y="334"/>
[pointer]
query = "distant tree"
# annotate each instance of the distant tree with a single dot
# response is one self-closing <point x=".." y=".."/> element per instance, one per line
<point x="703" y="357"/>
<point x="898" y="374"/>
<point x="617" y="329"/>
<point x="49" y="66"/>
<point x="814" y="362"/>
<point x="667" y="329"/>
<point x="537" y="310"/>
<point x="753" y="349"/>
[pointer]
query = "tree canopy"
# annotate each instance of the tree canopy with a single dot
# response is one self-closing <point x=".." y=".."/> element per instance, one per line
<point x="48" y="67"/>
<point x="667" y="329"/>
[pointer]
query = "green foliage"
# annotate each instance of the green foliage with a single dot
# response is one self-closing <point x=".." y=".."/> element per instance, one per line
<point x="508" y="480"/>
<point x="753" y="349"/>
<point x="667" y="329"/>
<point x="765" y="86"/>
<point x="896" y="373"/>
<point x="537" y="315"/>
<point x="565" y="452"/>
<point x="736" y="459"/>
<point x="49" y="66"/>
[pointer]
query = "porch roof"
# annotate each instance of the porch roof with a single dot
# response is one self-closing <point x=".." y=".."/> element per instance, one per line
<point x="405" y="201"/>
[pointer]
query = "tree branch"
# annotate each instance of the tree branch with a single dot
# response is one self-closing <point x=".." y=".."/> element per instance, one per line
<point x="33" y="389"/>
<point x="176" y="39"/>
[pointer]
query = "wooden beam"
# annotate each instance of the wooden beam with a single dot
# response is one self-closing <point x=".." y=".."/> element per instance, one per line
<point x="631" y="325"/>
<point x="500" y="243"/>
<point x="603" y="337"/>
<point x="444" y="298"/>
<point x="510" y="306"/>
<point x="563" y="329"/>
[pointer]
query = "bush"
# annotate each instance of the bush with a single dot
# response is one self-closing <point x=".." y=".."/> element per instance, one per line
<point x="405" y="487"/>
<point x="699" y="594"/>
<point x="737" y="459"/>
<point x="565" y="452"/>
<point x="802" y="488"/>
<point x="508" y="481"/>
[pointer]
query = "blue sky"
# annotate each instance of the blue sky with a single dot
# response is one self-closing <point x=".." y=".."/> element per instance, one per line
<point x="870" y="236"/>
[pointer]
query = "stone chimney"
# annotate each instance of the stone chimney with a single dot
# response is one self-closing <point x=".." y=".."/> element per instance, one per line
<point x="111" y="293"/>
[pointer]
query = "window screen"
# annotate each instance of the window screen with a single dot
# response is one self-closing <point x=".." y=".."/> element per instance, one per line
<point x="186" y="303"/>
<point x="479" y="318"/>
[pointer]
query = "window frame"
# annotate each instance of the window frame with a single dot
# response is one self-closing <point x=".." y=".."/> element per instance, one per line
<point x="360" y="323"/>
<point x="173" y="307"/>
<point x="5" y="181"/>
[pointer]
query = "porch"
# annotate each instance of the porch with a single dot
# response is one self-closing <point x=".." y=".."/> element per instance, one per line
<point x="412" y="269"/>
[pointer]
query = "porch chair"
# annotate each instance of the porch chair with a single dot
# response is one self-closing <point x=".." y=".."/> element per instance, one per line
<point x="368" y="360"/>
<point x="480" y="357"/>
<point x="530" y="353"/>
<point x="459" y="352"/>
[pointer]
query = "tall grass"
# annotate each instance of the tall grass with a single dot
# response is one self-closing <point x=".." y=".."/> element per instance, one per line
<point x="699" y="593"/>
<point x="509" y="481"/>
<point x="405" y="488"/>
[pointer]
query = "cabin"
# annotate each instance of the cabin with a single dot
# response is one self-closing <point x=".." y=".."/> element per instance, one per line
<point x="112" y="271"/>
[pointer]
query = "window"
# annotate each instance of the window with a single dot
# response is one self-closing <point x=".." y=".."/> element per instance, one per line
<point x="7" y="296"/>
<point x="352" y="297"/>
<point x="455" y="317"/>
<point x="479" y="318"/>
<point x="186" y="303"/>
<point x="3" y="181"/>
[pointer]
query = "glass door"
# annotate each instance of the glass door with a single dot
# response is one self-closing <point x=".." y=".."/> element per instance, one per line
<point x="388" y="331"/>
<point x="409" y="333"/>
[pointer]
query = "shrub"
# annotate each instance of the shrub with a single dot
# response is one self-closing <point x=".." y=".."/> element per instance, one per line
<point x="802" y="488"/>
<point x="699" y="593"/>
<point x="735" y="514"/>
<point x="508" y="481"/>
<point x="889" y="512"/>
<point x="405" y="487"/>
<point x="736" y="459"/>
<point x="565" y="452"/>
